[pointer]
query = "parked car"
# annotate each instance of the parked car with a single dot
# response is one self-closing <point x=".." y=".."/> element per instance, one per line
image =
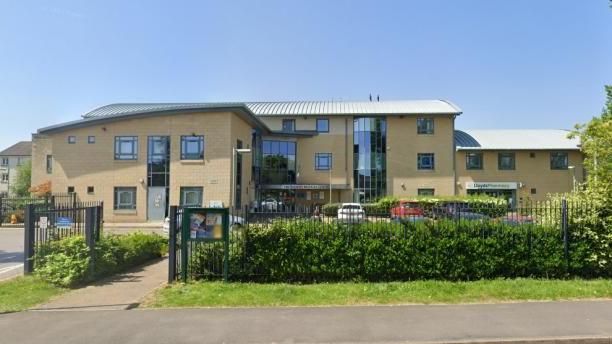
<point x="457" y="211"/>
<point x="351" y="213"/>
<point x="408" y="211"/>
<point x="516" y="219"/>
<point x="270" y="204"/>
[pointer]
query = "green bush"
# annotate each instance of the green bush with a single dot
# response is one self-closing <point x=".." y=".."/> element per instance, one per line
<point x="66" y="262"/>
<point x="331" y="209"/>
<point x="305" y="251"/>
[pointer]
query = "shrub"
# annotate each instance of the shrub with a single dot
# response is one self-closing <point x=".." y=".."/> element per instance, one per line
<point x="331" y="209"/>
<point x="66" y="262"/>
<point x="307" y="251"/>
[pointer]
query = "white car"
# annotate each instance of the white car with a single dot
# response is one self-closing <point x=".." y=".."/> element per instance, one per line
<point x="270" y="204"/>
<point x="351" y="213"/>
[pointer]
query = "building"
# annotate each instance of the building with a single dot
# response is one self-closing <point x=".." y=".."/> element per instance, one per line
<point x="10" y="159"/>
<point x="140" y="158"/>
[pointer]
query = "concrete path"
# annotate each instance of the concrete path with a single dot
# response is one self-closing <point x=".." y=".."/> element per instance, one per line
<point x="585" y="322"/>
<point x="121" y="291"/>
<point x="11" y="252"/>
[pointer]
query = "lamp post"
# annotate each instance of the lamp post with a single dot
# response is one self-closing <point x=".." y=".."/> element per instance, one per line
<point x="235" y="152"/>
<point x="573" y="169"/>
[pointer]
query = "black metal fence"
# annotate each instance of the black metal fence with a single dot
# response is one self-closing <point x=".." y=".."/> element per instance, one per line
<point x="12" y="209"/>
<point x="537" y="220"/>
<point x="45" y="223"/>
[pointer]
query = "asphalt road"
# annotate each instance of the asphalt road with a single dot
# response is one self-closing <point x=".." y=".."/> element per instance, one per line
<point x="384" y="324"/>
<point x="11" y="252"/>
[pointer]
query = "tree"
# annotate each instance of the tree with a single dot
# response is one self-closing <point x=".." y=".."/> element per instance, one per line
<point x="596" y="144"/>
<point x="21" y="186"/>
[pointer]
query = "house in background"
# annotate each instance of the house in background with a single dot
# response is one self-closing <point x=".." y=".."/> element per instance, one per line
<point x="10" y="159"/>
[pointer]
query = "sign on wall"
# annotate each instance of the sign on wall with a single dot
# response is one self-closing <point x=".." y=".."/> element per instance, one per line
<point x="491" y="185"/>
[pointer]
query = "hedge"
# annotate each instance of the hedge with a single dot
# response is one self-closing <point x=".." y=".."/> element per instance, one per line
<point x="306" y="251"/>
<point x="485" y="205"/>
<point x="66" y="262"/>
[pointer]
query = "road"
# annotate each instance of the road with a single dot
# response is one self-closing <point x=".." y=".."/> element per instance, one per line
<point x="370" y="324"/>
<point x="11" y="252"/>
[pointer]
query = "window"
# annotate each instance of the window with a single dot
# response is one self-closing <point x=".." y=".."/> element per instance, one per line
<point x="72" y="139"/>
<point x="192" y="147"/>
<point x="20" y="161"/>
<point x="125" y="198"/>
<point x="49" y="164"/>
<point x="425" y="126"/>
<point x="322" y="125"/>
<point x="318" y="196"/>
<point x="288" y="125"/>
<point x="91" y="139"/>
<point x="558" y="161"/>
<point x="533" y="191"/>
<point x="126" y="148"/>
<point x="300" y="195"/>
<point x="191" y="196"/>
<point x="473" y="161"/>
<point x="238" y="188"/>
<point x="425" y="192"/>
<point x="4" y="162"/>
<point x="505" y="161"/>
<point x="279" y="162"/>
<point x="70" y="189"/>
<point x="90" y="190"/>
<point x="425" y="161"/>
<point x="5" y="178"/>
<point x="323" y="161"/>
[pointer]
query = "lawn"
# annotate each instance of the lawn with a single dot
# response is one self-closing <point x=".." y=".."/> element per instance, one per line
<point x="21" y="293"/>
<point x="217" y="294"/>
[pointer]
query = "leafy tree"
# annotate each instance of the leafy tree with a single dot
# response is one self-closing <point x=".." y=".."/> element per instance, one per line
<point x="21" y="186"/>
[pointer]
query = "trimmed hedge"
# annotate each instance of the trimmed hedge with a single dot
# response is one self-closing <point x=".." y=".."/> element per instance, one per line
<point x="66" y="262"/>
<point x="307" y="251"/>
<point x="485" y="205"/>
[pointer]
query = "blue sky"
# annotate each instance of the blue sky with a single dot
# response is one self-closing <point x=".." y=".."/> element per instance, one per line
<point x="507" y="64"/>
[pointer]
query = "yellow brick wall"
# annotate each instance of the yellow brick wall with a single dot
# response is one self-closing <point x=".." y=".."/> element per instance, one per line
<point x="403" y="145"/>
<point x="531" y="172"/>
<point x="82" y="164"/>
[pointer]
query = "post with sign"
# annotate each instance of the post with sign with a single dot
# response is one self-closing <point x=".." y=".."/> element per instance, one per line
<point x="205" y="225"/>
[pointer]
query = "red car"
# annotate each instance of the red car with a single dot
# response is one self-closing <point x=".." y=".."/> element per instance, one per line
<point x="408" y="211"/>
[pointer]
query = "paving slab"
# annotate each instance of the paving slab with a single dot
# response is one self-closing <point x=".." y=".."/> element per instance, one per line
<point x="122" y="291"/>
<point x="581" y="322"/>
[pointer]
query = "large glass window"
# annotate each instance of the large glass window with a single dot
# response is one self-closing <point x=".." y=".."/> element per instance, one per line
<point x="158" y="161"/>
<point x="559" y="161"/>
<point x="322" y="125"/>
<point x="126" y="148"/>
<point x="506" y="161"/>
<point x="369" y="158"/>
<point x="191" y="196"/>
<point x="425" y="126"/>
<point x="289" y="125"/>
<point x="192" y="147"/>
<point x="473" y="161"/>
<point x="125" y="198"/>
<point x="323" y="161"/>
<point x="279" y="165"/>
<point x="425" y="161"/>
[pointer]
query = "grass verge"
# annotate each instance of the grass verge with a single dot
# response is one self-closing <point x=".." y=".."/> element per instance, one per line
<point x="21" y="293"/>
<point x="217" y="294"/>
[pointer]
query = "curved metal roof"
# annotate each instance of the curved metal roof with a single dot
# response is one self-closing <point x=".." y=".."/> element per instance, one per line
<point x="515" y="139"/>
<point x="292" y="108"/>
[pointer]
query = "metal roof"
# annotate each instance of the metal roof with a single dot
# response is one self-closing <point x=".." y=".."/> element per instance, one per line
<point x="515" y="139"/>
<point x="291" y="108"/>
<point x="22" y="148"/>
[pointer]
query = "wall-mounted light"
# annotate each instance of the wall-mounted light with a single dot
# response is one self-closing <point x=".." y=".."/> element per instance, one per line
<point x="103" y="128"/>
<point x="141" y="181"/>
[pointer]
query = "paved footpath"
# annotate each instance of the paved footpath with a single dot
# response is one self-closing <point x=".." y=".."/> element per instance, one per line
<point x="584" y="322"/>
<point x="122" y="291"/>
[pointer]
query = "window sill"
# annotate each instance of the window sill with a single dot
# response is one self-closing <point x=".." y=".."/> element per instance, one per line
<point x="189" y="161"/>
<point x="426" y="171"/>
<point x="126" y="160"/>
<point x="125" y="211"/>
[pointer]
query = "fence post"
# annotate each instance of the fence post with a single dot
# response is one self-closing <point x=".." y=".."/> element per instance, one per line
<point x="100" y="219"/>
<point x="172" y="245"/>
<point x="90" y="235"/>
<point x="564" y="228"/>
<point x="1" y="212"/>
<point x="28" y="236"/>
